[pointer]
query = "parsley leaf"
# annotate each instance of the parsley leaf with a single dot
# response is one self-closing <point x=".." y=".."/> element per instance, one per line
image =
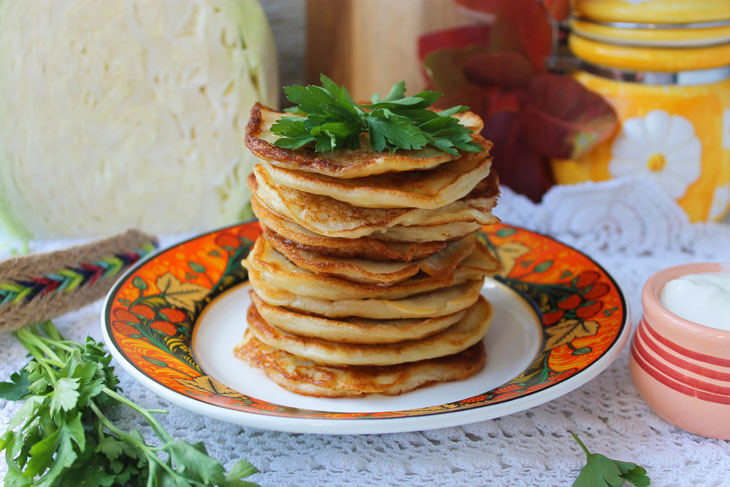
<point x="61" y="437"/>
<point x="601" y="471"/>
<point x="327" y="118"/>
<point x="17" y="388"/>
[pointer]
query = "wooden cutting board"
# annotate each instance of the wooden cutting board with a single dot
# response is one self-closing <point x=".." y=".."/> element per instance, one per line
<point x="368" y="45"/>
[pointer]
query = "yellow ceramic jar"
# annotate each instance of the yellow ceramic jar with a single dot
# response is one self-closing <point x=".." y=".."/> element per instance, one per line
<point x="673" y="104"/>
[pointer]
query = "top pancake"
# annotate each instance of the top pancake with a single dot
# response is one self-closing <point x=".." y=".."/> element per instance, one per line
<point x="428" y="189"/>
<point x="342" y="163"/>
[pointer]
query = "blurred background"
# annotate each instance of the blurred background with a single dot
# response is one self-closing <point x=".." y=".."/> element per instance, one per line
<point x="131" y="112"/>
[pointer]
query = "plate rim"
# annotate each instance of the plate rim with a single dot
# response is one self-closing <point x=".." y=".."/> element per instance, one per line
<point x="381" y="425"/>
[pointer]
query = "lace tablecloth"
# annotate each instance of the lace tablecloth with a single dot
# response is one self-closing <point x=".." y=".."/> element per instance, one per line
<point x="629" y="227"/>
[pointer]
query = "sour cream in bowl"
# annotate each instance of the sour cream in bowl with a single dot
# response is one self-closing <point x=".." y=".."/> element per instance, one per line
<point x="703" y="298"/>
<point x="680" y="353"/>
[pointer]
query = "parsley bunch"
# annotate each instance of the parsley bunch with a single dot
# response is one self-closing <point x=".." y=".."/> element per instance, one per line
<point x="60" y="436"/>
<point x="329" y="119"/>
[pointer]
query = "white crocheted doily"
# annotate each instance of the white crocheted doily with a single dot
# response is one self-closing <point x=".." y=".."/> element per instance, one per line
<point x="633" y="230"/>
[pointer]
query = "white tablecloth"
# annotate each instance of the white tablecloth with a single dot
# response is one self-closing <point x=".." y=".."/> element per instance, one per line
<point x="630" y="228"/>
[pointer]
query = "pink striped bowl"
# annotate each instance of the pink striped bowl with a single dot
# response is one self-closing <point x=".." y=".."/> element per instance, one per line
<point x="681" y="368"/>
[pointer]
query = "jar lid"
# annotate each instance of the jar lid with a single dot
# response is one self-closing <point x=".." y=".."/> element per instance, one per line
<point x="652" y="35"/>
<point x="655" y="59"/>
<point x="654" y="11"/>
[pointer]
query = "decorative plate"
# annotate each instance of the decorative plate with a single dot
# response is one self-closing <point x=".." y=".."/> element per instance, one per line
<point x="172" y="322"/>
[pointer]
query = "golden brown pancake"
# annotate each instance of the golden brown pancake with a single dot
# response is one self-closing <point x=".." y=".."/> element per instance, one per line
<point x="307" y="378"/>
<point x="280" y="272"/>
<point x="439" y="265"/>
<point x="332" y="218"/>
<point x="441" y="302"/>
<point x="460" y="336"/>
<point x="352" y="329"/>
<point x="342" y="163"/>
<point x="364" y="248"/>
<point x="429" y="189"/>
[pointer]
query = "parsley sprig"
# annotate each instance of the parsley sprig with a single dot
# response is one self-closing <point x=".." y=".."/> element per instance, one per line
<point x="329" y="119"/>
<point x="601" y="471"/>
<point x="62" y="437"/>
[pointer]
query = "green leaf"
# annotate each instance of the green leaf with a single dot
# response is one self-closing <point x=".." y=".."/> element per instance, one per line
<point x="42" y="453"/>
<point x="65" y="394"/>
<point x="196" y="267"/>
<point x="154" y="361"/>
<point x="139" y="283"/>
<point x="18" y="388"/>
<point x="506" y="232"/>
<point x="240" y="470"/>
<point x="543" y="266"/>
<point x="65" y="456"/>
<point x="634" y="474"/>
<point x="396" y="92"/>
<point x="601" y="471"/>
<point x="110" y="447"/>
<point x="332" y="120"/>
<point x="192" y="461"/>
<point x="75" y="430"/>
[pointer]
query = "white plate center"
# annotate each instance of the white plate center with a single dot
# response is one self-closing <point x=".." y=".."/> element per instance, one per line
<point x="512" y="344"/>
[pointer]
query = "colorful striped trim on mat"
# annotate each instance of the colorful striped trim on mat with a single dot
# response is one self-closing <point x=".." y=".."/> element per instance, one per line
<point x="69" y="279"/>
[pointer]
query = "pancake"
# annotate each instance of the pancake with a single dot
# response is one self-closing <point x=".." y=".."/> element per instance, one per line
<point x="307" y="378"/>
<point x="439" y="265"/>
<point x="364" y="247"/>
<point x="428" y="189"/>
<point x="342" y="163"/>
<point x="352" y="330"/>
<point x="429" y="233"/>
<point x="460" y="336"/>
<point x="332" y="218"/>
<point x="280" y="272"/>
<point x="441" y="302"/>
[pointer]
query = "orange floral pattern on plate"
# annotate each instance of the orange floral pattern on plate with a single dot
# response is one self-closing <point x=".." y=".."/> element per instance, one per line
<point x="151" y="312"/>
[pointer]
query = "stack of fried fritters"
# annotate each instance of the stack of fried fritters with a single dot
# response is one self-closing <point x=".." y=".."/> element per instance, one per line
<point x="368" y="274"/>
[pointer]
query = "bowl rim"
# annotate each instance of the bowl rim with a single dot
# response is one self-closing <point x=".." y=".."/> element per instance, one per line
<point x="657" y="313"/>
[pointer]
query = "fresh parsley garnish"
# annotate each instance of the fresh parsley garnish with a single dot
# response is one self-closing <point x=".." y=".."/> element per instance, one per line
<point x="62" y="437"/>
<point x="329" y="119"/>
<point x="601" y="471"/>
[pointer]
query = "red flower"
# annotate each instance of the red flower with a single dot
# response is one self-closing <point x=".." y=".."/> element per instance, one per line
<point x="143" y="310"/>
<point x="589" y="309"/>
<point x="173" y="315"/>
<point x="124" y="328"/>
<point x="570" y="302"/>
<point x="164" y="327"/>
<point x="586" y="278"/>
<point x="227" y="240"/>
<point x="124" y="315"/>
<point x="552" y="317"/>
<point x="598" y="290"/>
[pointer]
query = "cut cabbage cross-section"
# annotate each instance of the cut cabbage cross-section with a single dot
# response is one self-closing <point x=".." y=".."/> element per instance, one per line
<point x="128" y="113"/>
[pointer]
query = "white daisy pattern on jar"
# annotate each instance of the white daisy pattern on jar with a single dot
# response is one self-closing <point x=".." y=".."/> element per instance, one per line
<point x="661" y="146"/>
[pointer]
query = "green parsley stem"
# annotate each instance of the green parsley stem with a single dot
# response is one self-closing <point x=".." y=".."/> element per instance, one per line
<point x="58" y="344"/>
<point x="156" y="426"/>
<point x="158" y="411"/>
<point x="149" y="452"/>
<point x="51" y="331"/>
<point x="585" y="449"/>
<point x="28" y="341"/>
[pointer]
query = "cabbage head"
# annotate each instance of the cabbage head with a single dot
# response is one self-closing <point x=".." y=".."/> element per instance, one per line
<point x="128" y="113"/>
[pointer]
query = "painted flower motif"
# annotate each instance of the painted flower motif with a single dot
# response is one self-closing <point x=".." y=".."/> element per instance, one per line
<point x="720" y="203"/>
<point x="662" y="146"/>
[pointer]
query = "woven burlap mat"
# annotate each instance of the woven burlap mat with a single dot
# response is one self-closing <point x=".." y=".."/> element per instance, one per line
<point x="38" y="287"/>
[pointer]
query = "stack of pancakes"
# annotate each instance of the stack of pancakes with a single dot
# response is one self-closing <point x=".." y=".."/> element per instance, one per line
<point x="368" y="274"/>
